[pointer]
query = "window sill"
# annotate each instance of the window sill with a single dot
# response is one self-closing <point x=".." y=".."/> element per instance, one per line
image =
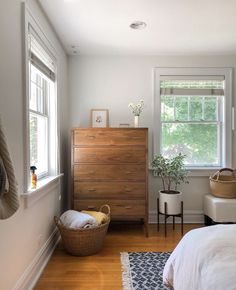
<point x="44" y="187"/>
<point x="201" y="172"/>
<point x="197" y="172"/>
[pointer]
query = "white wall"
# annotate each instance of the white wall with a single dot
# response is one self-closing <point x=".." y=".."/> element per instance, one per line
<point x="25" y="233"/>
<point x="114" y="82"/>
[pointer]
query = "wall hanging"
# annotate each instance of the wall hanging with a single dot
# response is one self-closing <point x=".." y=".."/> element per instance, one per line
<point x="9" y="200"/>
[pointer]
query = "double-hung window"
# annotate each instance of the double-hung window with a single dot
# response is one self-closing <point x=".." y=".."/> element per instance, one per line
<point x="42" y="107"/>
<point x="193" y="115"/>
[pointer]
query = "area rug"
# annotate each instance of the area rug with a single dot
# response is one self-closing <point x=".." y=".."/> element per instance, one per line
<point x="143" y="271"/>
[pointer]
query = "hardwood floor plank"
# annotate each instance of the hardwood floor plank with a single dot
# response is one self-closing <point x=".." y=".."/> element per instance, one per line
<point x="103" y="270"/>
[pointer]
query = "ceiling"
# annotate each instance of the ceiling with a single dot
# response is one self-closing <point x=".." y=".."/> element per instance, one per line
<point x="101" y="27"/>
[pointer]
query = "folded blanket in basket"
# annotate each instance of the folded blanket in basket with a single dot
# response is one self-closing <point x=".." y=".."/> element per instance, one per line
<point x="76" y="220"/>
<point x="100" y="217"/>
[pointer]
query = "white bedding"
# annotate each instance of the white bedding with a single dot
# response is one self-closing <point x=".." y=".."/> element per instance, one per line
<point x="205" y="259"/>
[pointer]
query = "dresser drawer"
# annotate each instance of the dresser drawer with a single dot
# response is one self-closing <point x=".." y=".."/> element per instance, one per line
<point x="109" y="190"/>
<point x="109" y="172"/>
<point x="109" y="136"/>
<point x="119" y="208"/>
<point x="111" y="155"/>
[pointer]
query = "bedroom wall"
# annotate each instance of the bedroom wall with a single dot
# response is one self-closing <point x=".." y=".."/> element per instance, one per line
<point x="113" y="82"/>
<point x="25" y="236"/>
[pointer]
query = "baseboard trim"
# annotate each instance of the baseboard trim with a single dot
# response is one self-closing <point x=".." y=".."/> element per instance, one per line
<point x="190" y="217"/>
<point x="32" y="273"/>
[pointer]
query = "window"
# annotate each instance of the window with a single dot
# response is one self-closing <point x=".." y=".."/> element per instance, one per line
<point x="38" y="120"/>
<point x="193" y="115"/>
<point x="42" y="107"/>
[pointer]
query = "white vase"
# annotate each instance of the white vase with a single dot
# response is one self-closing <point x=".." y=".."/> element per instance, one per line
<point x="136" y="121"/>
<point x="173" y="202"/>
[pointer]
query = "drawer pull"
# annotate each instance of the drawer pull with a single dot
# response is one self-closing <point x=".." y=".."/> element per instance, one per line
<point x="91" y="136"/>
<point x="128" y="190"/>
<point x="91" y="172"/>
<point x="91" y="189"/>
<point x="128" y="207"/>
<point x="91" y="207"/>
<point x="128" y="172"/>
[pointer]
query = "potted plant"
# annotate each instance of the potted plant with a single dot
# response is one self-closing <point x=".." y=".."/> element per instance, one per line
<point x="172" y="173"/>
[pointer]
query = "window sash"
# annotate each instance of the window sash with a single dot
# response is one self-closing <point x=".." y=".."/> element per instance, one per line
<point x="218" y="144"/>
<point x="40" y="103"/>
<point x="188" y="94"/>
<point x="202" y="100"/>
<point x="40" y="110"/>
<point x="41" y="146"/>
<point x="216" y="122"/>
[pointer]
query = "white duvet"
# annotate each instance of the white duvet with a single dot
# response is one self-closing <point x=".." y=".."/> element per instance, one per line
<point x="205" y="259"/>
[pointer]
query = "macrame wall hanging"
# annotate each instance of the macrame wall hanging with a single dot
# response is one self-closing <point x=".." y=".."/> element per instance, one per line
<point x="9" y="200"/>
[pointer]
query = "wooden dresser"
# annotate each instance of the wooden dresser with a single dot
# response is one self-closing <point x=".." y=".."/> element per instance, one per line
<point x="110" y="166"/>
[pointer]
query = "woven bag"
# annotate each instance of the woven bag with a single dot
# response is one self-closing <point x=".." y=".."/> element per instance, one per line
<point x="83" y="242"/>
<point x="223" y="185"/>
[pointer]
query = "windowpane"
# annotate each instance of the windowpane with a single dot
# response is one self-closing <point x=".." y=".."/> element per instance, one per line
<point x="33" y="97"/>
<point x="181" y="108"/>
<point x="39" y="142"/>
<point x="199" y="142"/>
<point x="195" y="108"/>
<point x="210" y="109"/>
<point x="38" y="91"/>
<point x="167" y="108"/>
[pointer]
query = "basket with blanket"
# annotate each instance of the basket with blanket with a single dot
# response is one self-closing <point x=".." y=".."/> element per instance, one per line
<point x="83" y="232"/>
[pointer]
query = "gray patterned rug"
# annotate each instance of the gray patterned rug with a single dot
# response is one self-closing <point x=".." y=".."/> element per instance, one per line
<point x="143" y="271"/>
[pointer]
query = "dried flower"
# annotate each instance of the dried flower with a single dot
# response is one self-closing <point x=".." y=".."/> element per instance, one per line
<point x="136" y="109"/>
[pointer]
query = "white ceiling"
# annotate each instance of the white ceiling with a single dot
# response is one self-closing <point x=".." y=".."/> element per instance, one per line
<point x="173" y="26"/>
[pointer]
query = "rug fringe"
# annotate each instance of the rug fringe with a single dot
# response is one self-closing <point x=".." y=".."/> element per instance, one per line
<point x="126" y="273"/>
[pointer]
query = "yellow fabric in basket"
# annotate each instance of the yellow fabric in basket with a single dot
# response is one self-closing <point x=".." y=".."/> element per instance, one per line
<point x="101" y="217"/>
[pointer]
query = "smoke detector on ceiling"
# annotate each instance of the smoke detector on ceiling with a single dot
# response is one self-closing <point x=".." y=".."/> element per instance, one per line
<point x="74" y="49"/>
<point x="138" y="25"/>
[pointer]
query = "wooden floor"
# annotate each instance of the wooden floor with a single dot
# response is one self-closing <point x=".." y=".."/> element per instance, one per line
<point x="103" y="270"/>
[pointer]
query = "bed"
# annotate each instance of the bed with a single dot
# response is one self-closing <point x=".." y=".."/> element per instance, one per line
<point x="205" y="259"/>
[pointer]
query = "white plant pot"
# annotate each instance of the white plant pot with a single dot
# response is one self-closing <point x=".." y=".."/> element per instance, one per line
<point x="173" y="202"/>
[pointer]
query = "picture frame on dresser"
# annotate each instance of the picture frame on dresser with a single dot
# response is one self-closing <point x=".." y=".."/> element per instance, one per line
<point x="99" y="118"/>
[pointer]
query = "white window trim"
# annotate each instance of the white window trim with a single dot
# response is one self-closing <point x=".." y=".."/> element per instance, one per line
<point x="189" y="71"/>
<point x="46" y="183"/>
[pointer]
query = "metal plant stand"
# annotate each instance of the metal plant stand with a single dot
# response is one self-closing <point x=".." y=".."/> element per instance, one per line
<point x="181" y="215"/>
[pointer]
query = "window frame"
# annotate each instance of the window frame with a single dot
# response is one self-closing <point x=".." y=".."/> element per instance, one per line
<point x="227" y="122"/>
<point x="45" y="114"/>
<point x="53" y="165"/>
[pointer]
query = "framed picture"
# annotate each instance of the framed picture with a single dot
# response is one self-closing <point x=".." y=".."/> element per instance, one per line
<point x="99" y="118"/>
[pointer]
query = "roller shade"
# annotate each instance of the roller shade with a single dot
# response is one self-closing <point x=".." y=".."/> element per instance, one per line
<point x="40" y="57"/>
<point x="194" y="86"/>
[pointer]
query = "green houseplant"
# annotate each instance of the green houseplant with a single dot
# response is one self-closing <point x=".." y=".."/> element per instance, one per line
<point x="172" y="173"/>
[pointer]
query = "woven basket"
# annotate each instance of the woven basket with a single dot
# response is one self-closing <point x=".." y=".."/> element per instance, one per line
<point x="223" y="185"/>
<point x="83" y="242"/>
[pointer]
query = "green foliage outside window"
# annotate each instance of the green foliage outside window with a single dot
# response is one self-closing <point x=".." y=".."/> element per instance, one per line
<point x="190" y="126"/>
